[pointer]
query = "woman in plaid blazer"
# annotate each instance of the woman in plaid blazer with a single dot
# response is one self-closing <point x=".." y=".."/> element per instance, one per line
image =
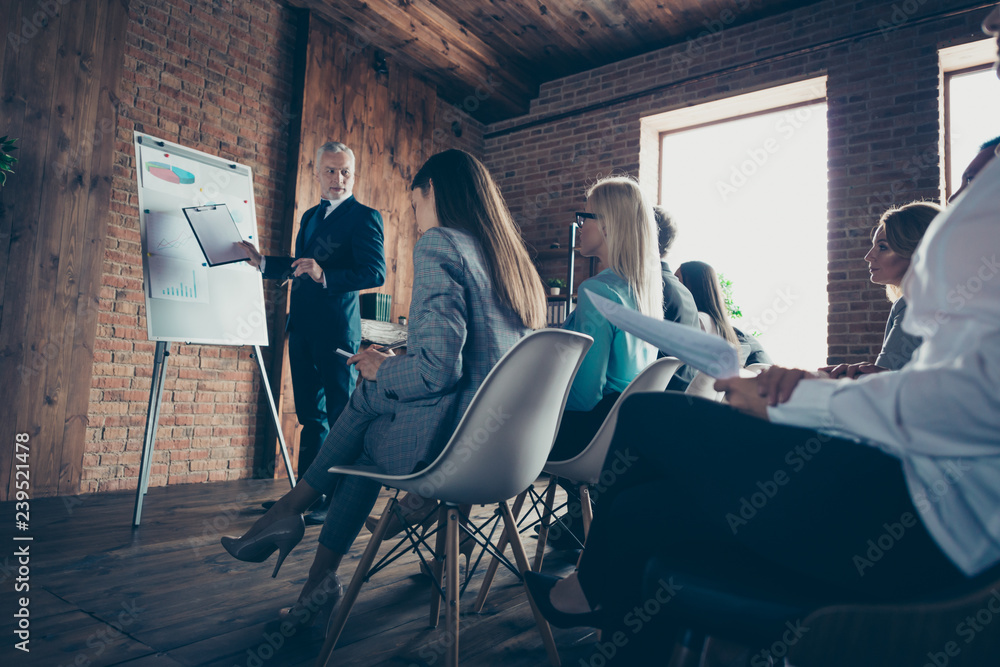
<point x="475" y="293"/>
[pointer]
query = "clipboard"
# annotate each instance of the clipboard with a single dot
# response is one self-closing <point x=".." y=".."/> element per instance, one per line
<point x="216" y="232"/>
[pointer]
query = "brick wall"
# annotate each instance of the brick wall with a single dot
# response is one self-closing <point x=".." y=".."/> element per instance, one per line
<point x="213" y="76"/>
<point x="881" y="61"/>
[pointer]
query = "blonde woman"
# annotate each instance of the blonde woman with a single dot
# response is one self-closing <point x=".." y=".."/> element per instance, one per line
<point x="619" y="228"/>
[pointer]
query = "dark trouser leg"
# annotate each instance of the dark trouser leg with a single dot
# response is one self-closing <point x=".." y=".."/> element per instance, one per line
<point x="338" y="379"/>
<point x="685" y="473"/>
<point x="310" y="400"/>
<point x="322" y="384"/>
<point x="577" y="429"/>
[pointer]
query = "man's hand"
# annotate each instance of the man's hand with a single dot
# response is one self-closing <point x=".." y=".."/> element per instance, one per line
<point x="368" y="361"/>
<point x="742" y="394"/>
<point x="852" y="370"/>
<point x="310" y="267"/>
<point x="776" y="384"/>
<point x="253" y="257"/>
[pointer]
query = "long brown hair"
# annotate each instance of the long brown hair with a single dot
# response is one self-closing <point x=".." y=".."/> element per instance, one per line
<point x="703" y="283"/>
<point x="467" y="198"/>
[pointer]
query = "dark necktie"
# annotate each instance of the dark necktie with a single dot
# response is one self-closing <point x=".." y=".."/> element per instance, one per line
<point x="317" y="220"/>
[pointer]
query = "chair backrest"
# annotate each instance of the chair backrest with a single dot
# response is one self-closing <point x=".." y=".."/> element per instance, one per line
<point x="586" y="466"/>
<point x="504" y="438"/>
<point x="703" y="385"/>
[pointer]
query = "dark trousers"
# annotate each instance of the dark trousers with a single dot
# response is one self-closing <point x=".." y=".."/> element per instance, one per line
<point x="322" y="384"/>
<point x="686" y="476"/>
<point x="578" y="428"/>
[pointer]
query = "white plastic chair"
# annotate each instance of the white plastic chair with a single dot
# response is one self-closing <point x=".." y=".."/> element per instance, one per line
<point x="585" y="468"/>
<point x="497" y="450"/>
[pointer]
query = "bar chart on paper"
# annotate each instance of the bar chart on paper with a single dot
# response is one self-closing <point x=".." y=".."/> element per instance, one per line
<point x="177" y="279"/>
<point x="186" y="291"/>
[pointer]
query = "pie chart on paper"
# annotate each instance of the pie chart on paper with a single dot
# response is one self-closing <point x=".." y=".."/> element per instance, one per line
<point x="170" y="173"/>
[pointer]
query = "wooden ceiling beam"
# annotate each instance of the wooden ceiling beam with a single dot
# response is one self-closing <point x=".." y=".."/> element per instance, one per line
<point x="437" y="47"/>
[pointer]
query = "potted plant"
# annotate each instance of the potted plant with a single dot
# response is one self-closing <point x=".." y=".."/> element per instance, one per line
<point x="555" y="285"/>
<point x="6" y="159"/>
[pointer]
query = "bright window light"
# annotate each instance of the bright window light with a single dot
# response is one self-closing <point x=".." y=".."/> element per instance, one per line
<point x="973" y="98"/>
<point x="749" y="196"/>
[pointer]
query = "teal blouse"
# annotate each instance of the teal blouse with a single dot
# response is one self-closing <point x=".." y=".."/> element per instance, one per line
<point x="616" y="357"/>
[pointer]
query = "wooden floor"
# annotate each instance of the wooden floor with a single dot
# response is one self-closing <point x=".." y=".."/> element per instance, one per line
<point x="167" y="593"/>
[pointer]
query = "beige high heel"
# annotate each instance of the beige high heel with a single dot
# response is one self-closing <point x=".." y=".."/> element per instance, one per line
<point x="317" y="608"/>
<point x="282" y="535"/>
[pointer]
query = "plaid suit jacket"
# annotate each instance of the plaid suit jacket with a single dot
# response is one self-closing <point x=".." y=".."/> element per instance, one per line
<point x="458" y="330"/>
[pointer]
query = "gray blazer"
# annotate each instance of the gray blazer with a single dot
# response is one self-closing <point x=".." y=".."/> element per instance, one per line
<point x="897" y="345"/>
<point x="458" y="330"/>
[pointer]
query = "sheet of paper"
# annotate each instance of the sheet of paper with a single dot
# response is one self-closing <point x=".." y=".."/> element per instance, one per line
<point x="169" y="234"/>
<point x="217" y="233"/>
<point x="177" y="279"/>
<point x="709" y="354"/>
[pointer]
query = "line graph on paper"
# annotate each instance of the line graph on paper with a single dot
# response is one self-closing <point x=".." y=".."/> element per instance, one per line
<point x="170" y="235"/>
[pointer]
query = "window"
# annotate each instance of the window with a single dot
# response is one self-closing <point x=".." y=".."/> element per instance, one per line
<point x="970" y="98"/>
<point x="747" y="186"/>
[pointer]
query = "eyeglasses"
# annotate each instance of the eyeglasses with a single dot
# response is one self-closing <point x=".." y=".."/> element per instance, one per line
<point x="583" y="217"/>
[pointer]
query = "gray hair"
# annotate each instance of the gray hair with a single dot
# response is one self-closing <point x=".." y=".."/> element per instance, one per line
<point x="334" y="147"/>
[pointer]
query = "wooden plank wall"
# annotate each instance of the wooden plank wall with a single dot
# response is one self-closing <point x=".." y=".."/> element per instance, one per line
<point x="388" y="121"/>
<point x="59" y="80"/>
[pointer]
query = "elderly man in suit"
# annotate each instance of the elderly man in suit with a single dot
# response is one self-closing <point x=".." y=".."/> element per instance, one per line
<point x="338" y="251"/>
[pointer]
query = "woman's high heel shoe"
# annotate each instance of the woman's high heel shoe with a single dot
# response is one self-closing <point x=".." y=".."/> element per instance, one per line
<point x="540" y="586"/>
<point x="317" y="608"/>
<point x="282" y="535"/>
<point x="466" y="547"/>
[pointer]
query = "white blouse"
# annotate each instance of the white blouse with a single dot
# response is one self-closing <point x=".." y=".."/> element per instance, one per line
<point x="939" y="414"/>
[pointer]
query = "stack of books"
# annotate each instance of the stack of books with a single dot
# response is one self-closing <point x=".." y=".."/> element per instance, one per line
<point x="556" y="314"/>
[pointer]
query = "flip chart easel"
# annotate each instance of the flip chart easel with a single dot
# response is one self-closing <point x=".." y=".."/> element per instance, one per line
<point x="186" y="299"/>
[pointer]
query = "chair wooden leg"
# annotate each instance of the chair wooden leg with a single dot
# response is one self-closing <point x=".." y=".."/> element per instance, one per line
<point x="339" y="619"/>
<point x="543" y="531"/>
<point x="491" y="571"/>
<point x="522" y="565"/>
<point x="439" y="556"/>
<point x="451" y="560"/>
<point x="588" y="515"/>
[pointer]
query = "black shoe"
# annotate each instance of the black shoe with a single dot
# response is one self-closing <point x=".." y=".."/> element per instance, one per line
<point x="316" y="518"/>
<point x="540" y="586"/>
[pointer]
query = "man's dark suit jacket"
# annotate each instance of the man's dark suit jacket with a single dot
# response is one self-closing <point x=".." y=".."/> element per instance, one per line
<point x="348" y="245"/>
<point x="678" y="304"/>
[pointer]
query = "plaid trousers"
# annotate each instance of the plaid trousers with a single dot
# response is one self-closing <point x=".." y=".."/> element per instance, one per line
<point x="353" y="498"/>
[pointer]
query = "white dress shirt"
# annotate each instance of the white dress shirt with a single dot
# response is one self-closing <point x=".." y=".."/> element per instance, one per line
<point x="939" y="414"/>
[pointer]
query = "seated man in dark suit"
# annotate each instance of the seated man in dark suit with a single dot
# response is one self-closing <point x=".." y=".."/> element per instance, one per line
<point x="678" y="304"/>
<point x="338" y="251"/>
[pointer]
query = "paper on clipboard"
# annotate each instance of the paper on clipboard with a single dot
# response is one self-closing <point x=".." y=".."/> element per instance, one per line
<point x="709" y="354"/>
<point x="217" y="233"/>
